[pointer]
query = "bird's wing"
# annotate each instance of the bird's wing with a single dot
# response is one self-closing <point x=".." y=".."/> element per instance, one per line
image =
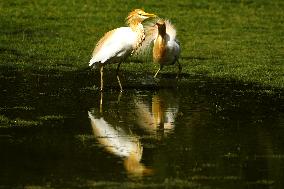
<point x="174" y="47"/>
<point x="115" y="43"/>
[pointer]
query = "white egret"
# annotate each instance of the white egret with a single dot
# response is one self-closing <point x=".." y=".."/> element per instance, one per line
<point x="118" y="44"/>
<point x="166" y="49"/>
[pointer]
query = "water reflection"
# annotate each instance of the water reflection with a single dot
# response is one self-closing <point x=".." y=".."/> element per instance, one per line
<point x="111" y="124"/>
<point x="119" y="142"/>
<point x="158" y="114"/>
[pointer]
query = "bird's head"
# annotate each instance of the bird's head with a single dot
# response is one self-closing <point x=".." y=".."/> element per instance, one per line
<point x="161" y="26"/>
<point x="137" y="16"/>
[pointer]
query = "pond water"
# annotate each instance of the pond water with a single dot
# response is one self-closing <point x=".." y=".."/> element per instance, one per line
<point x="56" y="131"/>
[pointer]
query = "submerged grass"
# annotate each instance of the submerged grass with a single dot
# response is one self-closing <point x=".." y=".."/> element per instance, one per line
<point x="168" y="183"/>
<point x="238" y="39"/>
<point x="20" y="122"/>
<point x="5" y="122"/>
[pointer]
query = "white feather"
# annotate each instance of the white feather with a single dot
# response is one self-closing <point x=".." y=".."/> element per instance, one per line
<point x="116" y="46"/>
<point x="172" y="44"/>
<point x="151" y="33"/>
<point x="171" y="30"/>
<point x="173" y="52"/>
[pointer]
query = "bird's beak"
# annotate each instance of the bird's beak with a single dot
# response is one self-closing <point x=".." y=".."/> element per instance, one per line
<point x="149" y="15"/>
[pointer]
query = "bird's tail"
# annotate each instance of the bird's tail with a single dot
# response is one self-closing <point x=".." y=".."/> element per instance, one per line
<point x="92" y="62"/>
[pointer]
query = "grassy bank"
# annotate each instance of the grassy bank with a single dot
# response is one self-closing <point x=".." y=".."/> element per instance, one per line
<point x="239" y="39"/>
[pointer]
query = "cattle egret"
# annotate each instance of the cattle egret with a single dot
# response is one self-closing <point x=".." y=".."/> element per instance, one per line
<point x="166" y="49"/>
<point x="118" y="44"/>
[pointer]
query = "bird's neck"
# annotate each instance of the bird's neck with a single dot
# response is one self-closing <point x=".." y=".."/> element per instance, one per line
<point x="161" y="39"/>
<point x="162" y="33"/>
<point x="159" y="48"/>
<point x="137" y="27"/>
<point x="133" y="24"/>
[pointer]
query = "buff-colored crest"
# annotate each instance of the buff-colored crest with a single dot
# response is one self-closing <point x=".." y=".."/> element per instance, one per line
<point x="138" y="15"/>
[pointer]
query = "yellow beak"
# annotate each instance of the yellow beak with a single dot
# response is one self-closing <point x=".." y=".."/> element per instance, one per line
<point x="149" y="15"/>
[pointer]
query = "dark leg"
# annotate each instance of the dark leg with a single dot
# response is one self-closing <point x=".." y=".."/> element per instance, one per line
<point x="179" y="69"/>
<point x="117" y="76"/>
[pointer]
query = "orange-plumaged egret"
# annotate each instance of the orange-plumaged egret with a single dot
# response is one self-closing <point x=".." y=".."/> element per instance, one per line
<point x="116" y="45"/>
<point x="166" y="49"/>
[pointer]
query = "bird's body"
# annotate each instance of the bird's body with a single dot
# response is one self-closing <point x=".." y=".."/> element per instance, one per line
<point x="166" y="49"/>
<point x="118" y="44"/>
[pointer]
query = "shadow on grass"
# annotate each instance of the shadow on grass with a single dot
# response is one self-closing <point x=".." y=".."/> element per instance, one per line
<point x="49" y="79"/>
<point x="190" y="58"/>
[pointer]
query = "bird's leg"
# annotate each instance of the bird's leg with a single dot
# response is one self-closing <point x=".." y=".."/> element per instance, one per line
<point x="119" y="97"/>
<point x="101" y="103"/>
<point x="158" y="71"/>
<point x="179" y="69"/>
<point x="117" y="76"/>
<point x="102" y="81"/>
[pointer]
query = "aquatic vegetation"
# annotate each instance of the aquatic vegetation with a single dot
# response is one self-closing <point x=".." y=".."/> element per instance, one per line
<point x="5" y="122"/>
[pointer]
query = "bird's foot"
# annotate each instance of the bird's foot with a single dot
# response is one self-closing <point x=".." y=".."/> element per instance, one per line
<point x="156" y="79"/>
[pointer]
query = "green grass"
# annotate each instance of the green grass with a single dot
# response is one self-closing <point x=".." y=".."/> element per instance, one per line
<point x="234" y="40"/>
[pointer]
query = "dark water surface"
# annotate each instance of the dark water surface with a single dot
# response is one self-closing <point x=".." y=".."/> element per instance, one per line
<point x="55" y="133"/>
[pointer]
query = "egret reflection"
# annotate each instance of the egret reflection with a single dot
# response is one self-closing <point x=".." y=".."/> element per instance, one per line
<point x="154" y="113"/>
<point x="159" y="115"/>
<point x="120" y="143"/>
